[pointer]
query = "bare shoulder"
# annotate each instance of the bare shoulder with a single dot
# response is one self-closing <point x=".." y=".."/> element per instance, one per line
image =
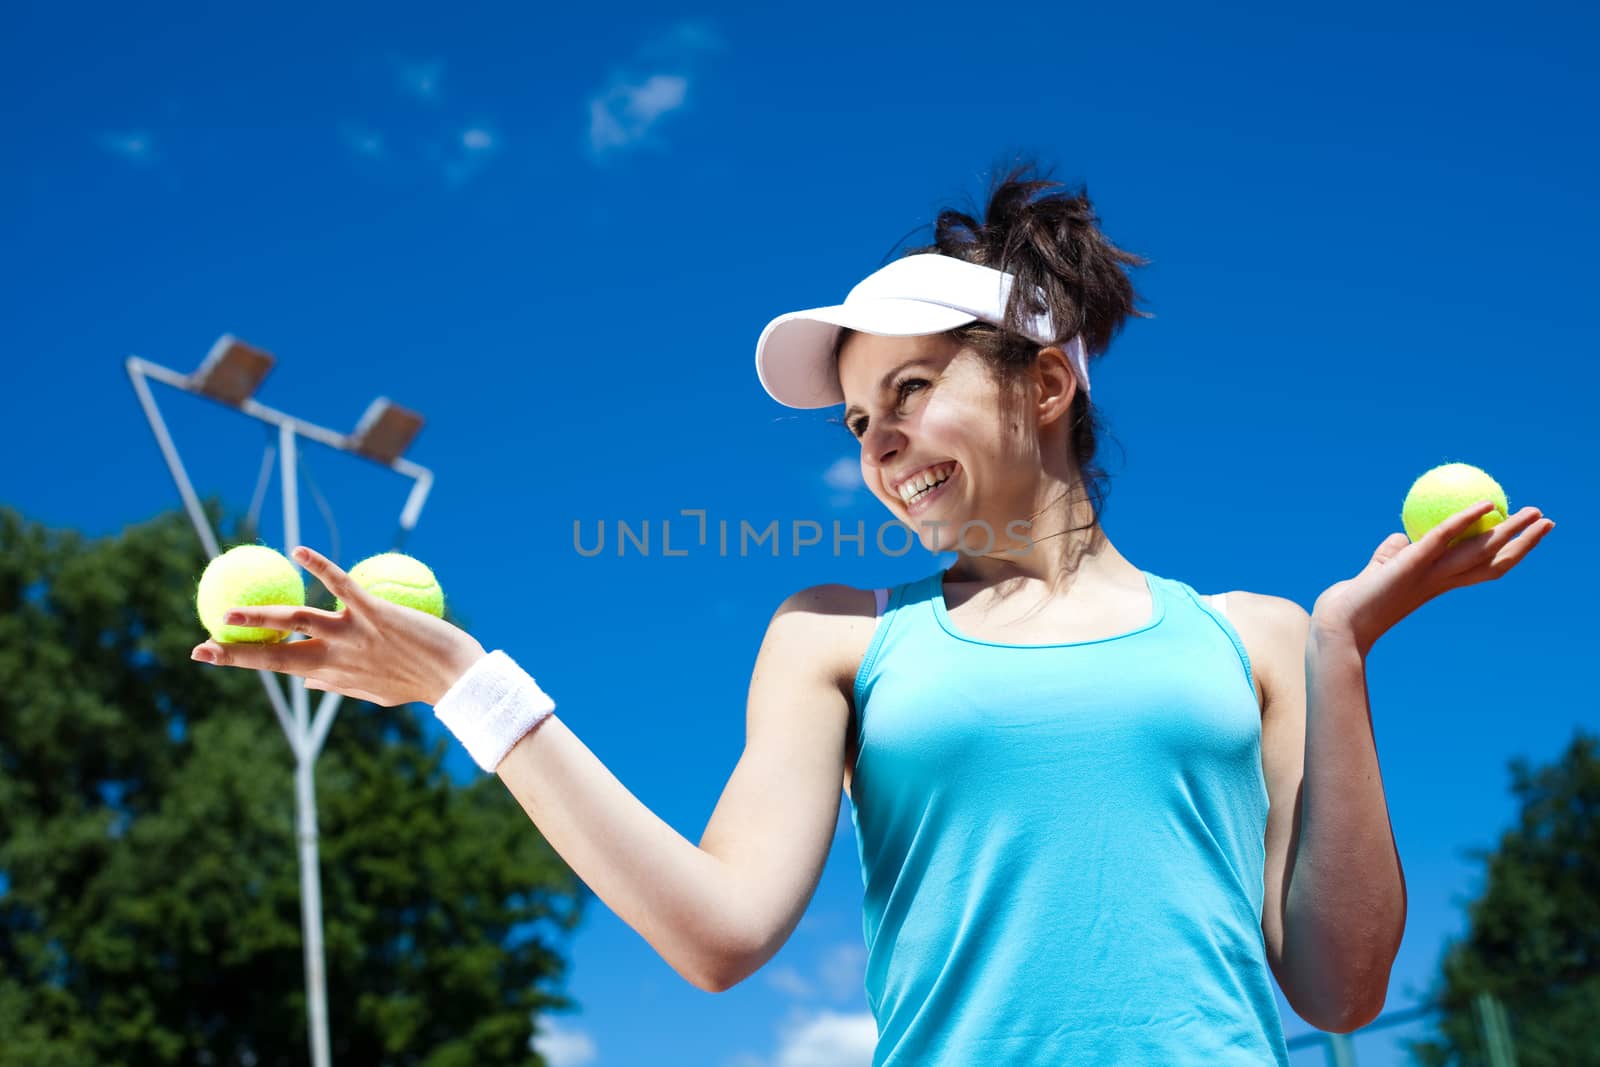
<point x="1273" y="629"/>
<point x="840" y="621"/>
<point x="837" y="618"/>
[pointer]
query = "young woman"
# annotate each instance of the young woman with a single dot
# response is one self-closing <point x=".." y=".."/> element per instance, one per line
<point x="1096" y="812"/>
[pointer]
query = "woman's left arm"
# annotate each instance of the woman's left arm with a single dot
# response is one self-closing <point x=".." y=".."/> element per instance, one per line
<point x="1344" y="910"/>
<point x="1345" y="901"/>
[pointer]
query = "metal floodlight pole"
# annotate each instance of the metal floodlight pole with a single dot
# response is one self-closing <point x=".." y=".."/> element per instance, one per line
<point x="230" y="374"/>
<point x="1341" y="1051"/>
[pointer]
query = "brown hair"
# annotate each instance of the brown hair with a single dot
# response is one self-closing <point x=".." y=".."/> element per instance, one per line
<point x="1052" y="242"/>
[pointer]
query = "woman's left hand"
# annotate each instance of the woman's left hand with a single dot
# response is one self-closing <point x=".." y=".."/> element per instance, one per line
<point x="1402" y="575"/>
<point x="373" y="650"/>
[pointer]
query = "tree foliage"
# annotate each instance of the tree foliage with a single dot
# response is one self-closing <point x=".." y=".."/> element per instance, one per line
<point x="1534" y="934"/>
<point x="149" y="873"/>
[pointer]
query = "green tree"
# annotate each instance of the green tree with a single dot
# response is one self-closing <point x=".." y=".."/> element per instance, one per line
<point x="149" y="877"/>
<point x="1534" y="934"/>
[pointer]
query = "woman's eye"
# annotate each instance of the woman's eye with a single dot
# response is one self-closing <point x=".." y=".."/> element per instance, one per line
<point x="859" y="426"/>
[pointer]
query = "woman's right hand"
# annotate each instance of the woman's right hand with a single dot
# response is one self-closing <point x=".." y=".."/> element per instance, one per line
<point x="373" y="650"/>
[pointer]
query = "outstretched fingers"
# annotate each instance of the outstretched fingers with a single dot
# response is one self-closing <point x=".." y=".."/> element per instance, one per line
<point x="290" y="618"/>
<point x="285" y="657"/>
<point x="1437" y="540"/>
<point x="332" y="578"/>
<point x="1495" y="551"/>
<point x="1524" y="530"/>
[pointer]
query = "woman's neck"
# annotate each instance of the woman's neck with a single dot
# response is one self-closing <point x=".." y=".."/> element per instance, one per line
<point x="1065" y="547"/>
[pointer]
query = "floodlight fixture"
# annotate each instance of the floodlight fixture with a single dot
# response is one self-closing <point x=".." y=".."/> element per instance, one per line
<point x="232" y="371"/>
<point x="385" y="431"/>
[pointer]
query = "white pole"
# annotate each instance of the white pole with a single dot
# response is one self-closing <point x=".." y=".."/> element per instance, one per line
<point x="304" y="737"/>
<point x="305" y="790"/>
<point x="311" y="910"/>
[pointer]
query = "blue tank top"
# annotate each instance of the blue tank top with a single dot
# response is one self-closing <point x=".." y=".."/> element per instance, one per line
<point x="1062" y="845"/>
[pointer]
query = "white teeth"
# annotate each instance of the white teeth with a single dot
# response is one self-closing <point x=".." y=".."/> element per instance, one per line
<point x="921" y="482"/>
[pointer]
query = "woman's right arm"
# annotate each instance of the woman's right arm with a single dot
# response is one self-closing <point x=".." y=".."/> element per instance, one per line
<point x="714" y="912"/>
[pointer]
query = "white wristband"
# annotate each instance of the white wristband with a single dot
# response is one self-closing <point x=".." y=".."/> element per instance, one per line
<point x="492" y="707"/>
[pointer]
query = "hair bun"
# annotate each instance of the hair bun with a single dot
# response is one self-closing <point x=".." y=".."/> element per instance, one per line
<point x="1049" y="236"/>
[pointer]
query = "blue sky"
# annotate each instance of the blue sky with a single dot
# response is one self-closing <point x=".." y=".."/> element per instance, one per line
<point x="558" y="231"/>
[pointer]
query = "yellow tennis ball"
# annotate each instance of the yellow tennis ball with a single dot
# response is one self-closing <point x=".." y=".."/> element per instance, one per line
<point x="1447" y="489"/>
<point x="400" y="579"/>
<point x="246" y="576"/>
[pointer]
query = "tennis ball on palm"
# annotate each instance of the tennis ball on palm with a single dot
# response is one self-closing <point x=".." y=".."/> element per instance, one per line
<point x="1447" y="489"/>
<point x="399" y="579"/>
<point x="246" y="576"/>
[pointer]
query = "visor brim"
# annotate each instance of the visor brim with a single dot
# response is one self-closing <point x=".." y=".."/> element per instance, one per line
<point x="794" y="352"/>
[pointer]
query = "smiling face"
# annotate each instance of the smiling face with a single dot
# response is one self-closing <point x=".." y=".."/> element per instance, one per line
<point x="916" y="403"/>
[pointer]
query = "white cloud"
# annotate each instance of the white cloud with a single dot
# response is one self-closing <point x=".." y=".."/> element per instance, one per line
<point x="790" y="981"/>
<point x="605" y="132"/>
<point x="561" y="1046"/>
<point x="653" y="84"/>
<point x="841" y="974"/>
<point x="659" y="94"/>
<point x="624" y="113"/>
<point x="822" y="1038"/>
<point x="135" y="146"/>
<point x="474" y="147"/>
<point x="420" y="80"/>
<point x="828" y="1039"/>
<point x="843" y="474"/>
<point x="453" y="147"/>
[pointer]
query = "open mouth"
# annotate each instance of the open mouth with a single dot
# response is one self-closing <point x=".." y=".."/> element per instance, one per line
<point x="929" y="496"/>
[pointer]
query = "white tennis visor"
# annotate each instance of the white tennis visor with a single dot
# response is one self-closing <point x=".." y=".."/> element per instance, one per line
<point x="922" y="294"/>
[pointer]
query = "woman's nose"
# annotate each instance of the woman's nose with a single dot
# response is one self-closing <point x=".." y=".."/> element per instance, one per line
<point x="881" y="442"/>
<point x="881" y="455"/>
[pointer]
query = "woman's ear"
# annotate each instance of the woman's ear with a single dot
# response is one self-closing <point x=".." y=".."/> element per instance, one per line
<point x="1057" y="384"/>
